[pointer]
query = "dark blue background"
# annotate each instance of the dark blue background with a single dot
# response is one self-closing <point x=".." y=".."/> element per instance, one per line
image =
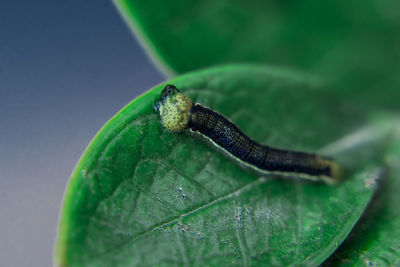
<point x="66" y="67"/>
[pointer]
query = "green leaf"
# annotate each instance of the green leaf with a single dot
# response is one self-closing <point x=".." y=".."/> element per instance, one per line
<point x="374" y="241"/>
<point x="352" y="43"/>
<point x="143" y="196"/>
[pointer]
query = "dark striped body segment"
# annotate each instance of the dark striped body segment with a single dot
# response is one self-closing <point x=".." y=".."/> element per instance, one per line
<point x="228" y="137"/>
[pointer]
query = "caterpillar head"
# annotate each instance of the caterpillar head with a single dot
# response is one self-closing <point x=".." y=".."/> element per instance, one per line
<point x="173" y="108"/>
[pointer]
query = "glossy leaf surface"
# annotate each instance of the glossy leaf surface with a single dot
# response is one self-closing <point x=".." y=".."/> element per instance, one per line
<point x="143" y="196"/>
<point x="353" y="43"/>
<point x="374" y="241"/>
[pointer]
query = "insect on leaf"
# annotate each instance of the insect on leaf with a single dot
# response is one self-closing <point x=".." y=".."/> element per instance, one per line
<point x="141" y="195"/>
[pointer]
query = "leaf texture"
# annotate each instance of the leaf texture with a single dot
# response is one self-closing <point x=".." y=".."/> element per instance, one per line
<point x="142" y="196"/>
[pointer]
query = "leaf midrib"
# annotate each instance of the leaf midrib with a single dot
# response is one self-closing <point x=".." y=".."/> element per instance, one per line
<point x="176" y="219"/>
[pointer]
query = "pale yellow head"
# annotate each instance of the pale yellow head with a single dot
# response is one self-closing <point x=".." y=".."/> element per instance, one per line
<point x="174" y="109"/>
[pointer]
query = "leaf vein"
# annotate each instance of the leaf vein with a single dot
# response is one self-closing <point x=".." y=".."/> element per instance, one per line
<point x="133" y="239"/>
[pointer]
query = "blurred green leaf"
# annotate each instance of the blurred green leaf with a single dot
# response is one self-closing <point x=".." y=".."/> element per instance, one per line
<point x="374" y="241"/>
<point x="355" y="44"/>
<point x="143" y="196"/>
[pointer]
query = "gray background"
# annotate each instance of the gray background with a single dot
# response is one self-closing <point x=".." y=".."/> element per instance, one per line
<point x="66" y="67"/>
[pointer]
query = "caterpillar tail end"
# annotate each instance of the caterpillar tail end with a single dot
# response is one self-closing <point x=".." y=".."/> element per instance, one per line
<point x="333" y="172"/>
<point x="336" y="173"/>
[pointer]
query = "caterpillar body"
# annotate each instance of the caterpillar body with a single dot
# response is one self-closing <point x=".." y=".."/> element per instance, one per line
<point x="179" y="113"/>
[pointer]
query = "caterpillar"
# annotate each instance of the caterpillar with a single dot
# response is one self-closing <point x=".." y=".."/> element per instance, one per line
<point x="178" y="112"/>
